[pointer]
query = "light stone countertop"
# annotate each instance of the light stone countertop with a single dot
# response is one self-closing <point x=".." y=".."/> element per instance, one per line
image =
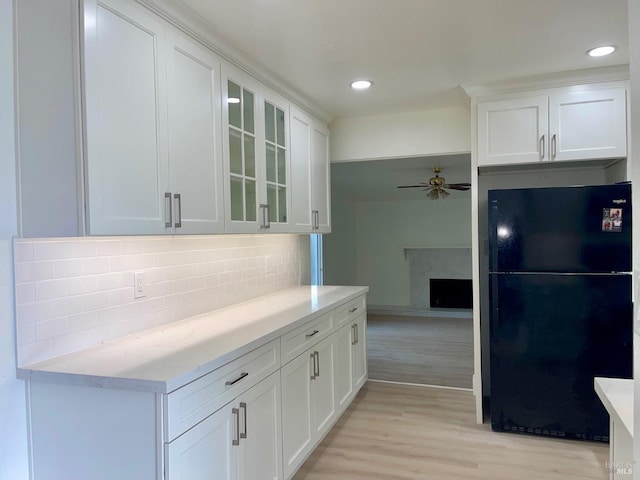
<point x="166" y="358"/>
<point x="616" y="395"/>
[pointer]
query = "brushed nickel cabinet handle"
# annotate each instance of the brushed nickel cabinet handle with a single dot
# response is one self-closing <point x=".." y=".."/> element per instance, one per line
<point x="263" y="208"/>
<point x="168" y="209"/>
<point x="236" y="440"/>
<point x="554" y="146"/>
<point x="233" y="382"/>
<point x="351" y="310"/>
<point x="353" y="334"/>
<point x="357" y="334"/>
<point x="317" y="362"/>
<point x="178" y="200"/>
<point x="243" y="406"/>
<point x="542" y="145"/>
<point x="313" y="366"/>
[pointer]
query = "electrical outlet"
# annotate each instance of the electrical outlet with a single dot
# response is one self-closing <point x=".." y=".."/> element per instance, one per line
<point x="139" y="285"/>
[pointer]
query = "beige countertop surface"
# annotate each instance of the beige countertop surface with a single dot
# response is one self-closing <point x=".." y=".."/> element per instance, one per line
<point x="616" y="395"/>
<point x="166" y="358"/>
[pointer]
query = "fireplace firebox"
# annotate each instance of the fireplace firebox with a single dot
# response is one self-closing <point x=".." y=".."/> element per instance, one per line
<point x="450" y="293"/>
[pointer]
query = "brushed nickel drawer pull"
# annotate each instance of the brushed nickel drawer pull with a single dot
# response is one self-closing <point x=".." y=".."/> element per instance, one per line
<point x="233" y="382"/>
<point x="309" y="335"/>
<point x="351" y="310"/>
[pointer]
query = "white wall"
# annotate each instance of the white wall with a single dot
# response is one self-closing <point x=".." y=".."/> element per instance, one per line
<point x="634" y="62"/>
<point x="13" y="423"/>
<point x="384" y="229"/>
<point x="340" y="245"/>
<point x="401" y="135"/>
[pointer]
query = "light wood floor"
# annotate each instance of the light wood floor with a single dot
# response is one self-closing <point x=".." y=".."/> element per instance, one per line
<point x="400" y="432"/>
<point x="424" y="350"/>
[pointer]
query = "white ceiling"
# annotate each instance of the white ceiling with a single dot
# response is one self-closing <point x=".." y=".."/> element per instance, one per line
<point x="418" y="52"/>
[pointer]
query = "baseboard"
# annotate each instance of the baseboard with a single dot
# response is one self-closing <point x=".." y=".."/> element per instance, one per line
<point x="444" y="387"/>
<point x="415" y="311"/>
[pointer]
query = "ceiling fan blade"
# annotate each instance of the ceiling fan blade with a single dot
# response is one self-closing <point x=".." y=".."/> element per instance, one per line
<point x="458" y="186"/>
<point x="433" y="194"/>
<point x="414" y="186"/>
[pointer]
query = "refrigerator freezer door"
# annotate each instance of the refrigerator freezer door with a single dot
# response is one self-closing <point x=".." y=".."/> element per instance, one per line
<point x="570" y="229"/>
<point x="550" y="336"/>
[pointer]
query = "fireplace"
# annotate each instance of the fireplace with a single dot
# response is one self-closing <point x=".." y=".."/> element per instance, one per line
<point x="450" y="293"/>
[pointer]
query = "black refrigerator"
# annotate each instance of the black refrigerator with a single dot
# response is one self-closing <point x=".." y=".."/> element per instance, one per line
<point x="561" y="306"/>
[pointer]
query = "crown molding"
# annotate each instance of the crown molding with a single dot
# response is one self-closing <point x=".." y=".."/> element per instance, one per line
<point x="551" y="80"/>
<point x="188" y="21"/>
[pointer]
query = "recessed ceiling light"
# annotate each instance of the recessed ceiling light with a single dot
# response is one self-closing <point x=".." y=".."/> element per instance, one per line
<point x="601" y="51"/>
<point x="233" y="100"/>
<point x="361" y="84"/>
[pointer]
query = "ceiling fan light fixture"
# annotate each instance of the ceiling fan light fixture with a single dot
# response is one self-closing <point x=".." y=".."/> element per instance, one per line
<point x="361" y="84"/>
<point x="433" y="194"/>
<point x="601" y="51"/>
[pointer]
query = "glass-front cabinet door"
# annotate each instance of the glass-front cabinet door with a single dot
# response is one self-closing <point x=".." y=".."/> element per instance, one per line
<point x="277" y="166"/>
<point x="243" y="176"/>
<point x="256" y="157"/>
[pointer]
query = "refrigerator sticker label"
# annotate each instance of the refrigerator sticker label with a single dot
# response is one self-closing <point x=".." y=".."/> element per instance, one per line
<point x="611" y="219"/>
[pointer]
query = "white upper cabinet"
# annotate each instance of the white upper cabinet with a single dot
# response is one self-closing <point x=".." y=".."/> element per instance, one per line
<point x="577" y="125"/>
<point x="585" y="125"/>
<point x="256" y="156"/>
<point x="310" y="174"/>
<point x="126" y="122"/>
<point x="153" y="126"/>
<point x="512" y="131"/>
<point x="195" y="146"/>
<point x="142" y="130"/>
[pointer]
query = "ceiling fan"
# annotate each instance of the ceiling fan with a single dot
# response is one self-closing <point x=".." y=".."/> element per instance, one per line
<point x="435" y="186"/>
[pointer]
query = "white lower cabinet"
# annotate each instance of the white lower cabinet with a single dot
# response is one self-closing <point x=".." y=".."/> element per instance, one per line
<point x="344" y="366"/>
<point x="240" y="441"/>
<point x="359" y="351"/>
<point x="256" y="417"/>
<point x="205" y="451"/>
<point x="351" y="360"/>
<point x="308" y="398"/>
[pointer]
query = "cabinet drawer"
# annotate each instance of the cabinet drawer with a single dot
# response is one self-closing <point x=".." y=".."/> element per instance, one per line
<point x="303" y="337"/>
<point x="194" y="402"/>
<point x="350" y="310"/>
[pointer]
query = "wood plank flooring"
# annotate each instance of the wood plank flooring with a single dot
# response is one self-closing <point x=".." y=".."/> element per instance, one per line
<point x="400" y="432"/>
<point x="423" y="350"/>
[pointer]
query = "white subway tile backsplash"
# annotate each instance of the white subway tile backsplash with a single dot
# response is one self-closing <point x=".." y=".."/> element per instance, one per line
<point x="51" y="289"/>
<point x="73" y="267"/>
<point x="33" y="312"/>
<point x="78" y="292"/>
<point x="25" y="293"/>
